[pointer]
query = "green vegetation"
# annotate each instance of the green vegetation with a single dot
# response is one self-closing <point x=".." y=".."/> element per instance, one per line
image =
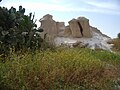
<point x="63" y="68"/>
<point x="116" y="43"/>
<point x="24" y="65"/>
<point x="119" y="35"/>
<point x="18" y="31"/>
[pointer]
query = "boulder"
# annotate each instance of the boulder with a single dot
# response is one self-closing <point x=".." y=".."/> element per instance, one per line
<point x="80" y="44"/>
<point x="75" y="29"/>
<point x="84" y="23"/>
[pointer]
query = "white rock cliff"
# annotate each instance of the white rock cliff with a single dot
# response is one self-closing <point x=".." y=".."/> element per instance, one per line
<point x="78" y="32"/>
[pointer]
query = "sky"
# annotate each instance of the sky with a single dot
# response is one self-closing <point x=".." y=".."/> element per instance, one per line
<point x="103" y="14"/>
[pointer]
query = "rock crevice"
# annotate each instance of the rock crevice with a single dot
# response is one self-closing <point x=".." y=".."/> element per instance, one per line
<point x="81" y="29"/>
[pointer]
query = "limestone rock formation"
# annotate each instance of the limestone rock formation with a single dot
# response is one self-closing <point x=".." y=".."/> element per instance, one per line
<point x="77" y="34"/>
<point x="48" y="25"/>
<point x="60" y="26"/>
<point x="84" y="22"/>
<point x="51" y="28"/>
<point x="67" y="31"/>
<point x="75" y="28"/>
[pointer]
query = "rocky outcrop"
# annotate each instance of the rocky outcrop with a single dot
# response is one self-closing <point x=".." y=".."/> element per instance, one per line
<point x="75" y="29"/>
<point x="48" y="25"/>
<point x="77" y="34"/>
<point x="60" y="26"/>
<point x="79" y="28"/>
<point x="67" y="31"/>
<point x="51" y="28"/>
<point x="85" y="27"/>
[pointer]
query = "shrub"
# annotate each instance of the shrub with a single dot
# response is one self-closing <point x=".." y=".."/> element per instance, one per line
<point x="18" y="31"/>
<point x="119" y="35"/>
<point x="116" y="46"/>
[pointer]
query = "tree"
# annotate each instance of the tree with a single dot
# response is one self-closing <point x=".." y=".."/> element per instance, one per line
<point x="119" y="35"/>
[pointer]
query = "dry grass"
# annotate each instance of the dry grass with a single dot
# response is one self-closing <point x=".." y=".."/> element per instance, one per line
<point x="62" y="69"/>
<point x="116" y="43"/>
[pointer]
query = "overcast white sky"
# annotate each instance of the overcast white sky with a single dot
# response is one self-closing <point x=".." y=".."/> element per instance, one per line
<point x="103" y="14"/>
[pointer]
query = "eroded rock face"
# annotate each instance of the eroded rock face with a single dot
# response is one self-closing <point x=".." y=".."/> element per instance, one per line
<point x="75" y="29"/>
<point x="49" y="26"/>
<point x="73" y="34"/>
<point x="60" y="26"/>
<point x="84" y="22"/>
<point x="67" y="31"/>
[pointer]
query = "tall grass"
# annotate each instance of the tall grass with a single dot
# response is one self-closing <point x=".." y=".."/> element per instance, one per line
<point x="61" y="69"/>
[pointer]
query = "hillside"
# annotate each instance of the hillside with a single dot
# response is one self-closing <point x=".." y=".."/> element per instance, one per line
<point x="98" y="41"/>
<point x="77" y="33"/>
<point x="61" y="68"/>
<point x="55" y="56"/>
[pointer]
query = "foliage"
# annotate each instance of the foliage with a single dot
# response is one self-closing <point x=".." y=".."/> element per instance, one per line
<point x="18" y="31"/>
<point x="61" y="69"/>
<point x="116" y="43"/>
<point x="119" y="35"/>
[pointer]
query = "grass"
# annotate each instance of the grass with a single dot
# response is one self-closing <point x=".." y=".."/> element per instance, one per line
<point x="60" y="69"/>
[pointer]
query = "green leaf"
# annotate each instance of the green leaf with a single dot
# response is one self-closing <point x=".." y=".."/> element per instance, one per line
<point x="40" y="30"/>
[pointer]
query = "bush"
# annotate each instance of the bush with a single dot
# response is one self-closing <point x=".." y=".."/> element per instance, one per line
<point x="116" y="46"/>
<point x="18" y="31"/>
<point x="119" y="35"/>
